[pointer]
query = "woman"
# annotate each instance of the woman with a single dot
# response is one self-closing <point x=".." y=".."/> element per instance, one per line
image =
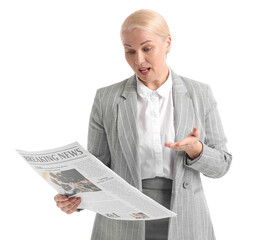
<point x="158" y="131"/>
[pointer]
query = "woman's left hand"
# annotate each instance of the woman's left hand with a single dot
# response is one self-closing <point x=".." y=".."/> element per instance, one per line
<point x="191" y="144"/>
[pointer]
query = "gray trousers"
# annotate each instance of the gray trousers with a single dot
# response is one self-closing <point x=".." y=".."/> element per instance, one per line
<point x="159" y="189"/>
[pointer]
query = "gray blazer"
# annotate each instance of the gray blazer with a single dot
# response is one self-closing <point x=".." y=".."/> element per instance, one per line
<point x="112" y="138"/>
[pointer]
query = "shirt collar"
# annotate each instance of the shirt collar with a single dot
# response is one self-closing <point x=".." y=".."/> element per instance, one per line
<point x="163" y="90"/>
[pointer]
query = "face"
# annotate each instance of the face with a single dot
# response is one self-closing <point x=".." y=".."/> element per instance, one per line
<point x="146" y="53"/>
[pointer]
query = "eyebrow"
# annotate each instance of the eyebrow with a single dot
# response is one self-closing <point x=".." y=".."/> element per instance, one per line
<point x="128" y="45"/>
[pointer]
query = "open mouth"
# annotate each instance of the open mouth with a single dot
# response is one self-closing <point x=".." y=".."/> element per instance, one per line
<point x="144" y="70"/>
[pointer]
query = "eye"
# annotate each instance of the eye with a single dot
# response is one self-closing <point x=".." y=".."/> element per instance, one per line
<point x="147" y="49"/>
<point x="130" y="51"/>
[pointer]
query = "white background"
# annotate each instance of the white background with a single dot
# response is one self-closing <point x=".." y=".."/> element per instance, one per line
<point x="54" y="55"/>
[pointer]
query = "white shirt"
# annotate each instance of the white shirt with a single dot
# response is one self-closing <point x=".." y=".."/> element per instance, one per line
<point x="155" y="127"/>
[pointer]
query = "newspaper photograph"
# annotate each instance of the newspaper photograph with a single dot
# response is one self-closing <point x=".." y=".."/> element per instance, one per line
<point x="73" y="171"/>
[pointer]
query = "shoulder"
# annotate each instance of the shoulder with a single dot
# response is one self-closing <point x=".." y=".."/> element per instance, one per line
<point x="109" y="96"/>
<point x="200" y="93"/>
<point x="115" y="89"/>
<point x="195" y="88"/>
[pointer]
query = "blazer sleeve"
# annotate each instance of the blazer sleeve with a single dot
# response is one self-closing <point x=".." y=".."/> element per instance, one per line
<point x="97" y="138"/>
<point x="214" y="160"/>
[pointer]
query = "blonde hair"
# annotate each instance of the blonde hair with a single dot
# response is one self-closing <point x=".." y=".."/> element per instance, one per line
<point x="147" y="20"/>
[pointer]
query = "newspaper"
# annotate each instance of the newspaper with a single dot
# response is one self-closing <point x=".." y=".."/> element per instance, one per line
<point x="73" y="171"/>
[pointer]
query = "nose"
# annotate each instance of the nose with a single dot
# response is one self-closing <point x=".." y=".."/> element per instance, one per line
<point x="139" y="58"/>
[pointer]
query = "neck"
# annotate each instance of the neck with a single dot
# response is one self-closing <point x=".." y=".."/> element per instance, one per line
<point x="154" y="85"/>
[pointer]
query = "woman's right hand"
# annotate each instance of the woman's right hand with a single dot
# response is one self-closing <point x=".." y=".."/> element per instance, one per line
<point x="67" y="204"/>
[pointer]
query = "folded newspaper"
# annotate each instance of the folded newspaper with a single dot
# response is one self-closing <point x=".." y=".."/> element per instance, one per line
<point x="73" y="171"/>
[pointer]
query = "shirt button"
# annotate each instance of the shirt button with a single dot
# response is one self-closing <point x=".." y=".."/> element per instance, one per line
<point x="186" y="185"/>
<point x="154" y="113"/>
<point x="153" y="97"/>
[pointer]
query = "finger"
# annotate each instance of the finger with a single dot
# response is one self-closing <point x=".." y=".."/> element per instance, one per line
<point x="72" y="206"/>
<point x="176" y="144"/>
<point x="60" y="198"/>
<point x="196" y="132"/>
<point x="63" y="204"/>
<point x="66" y="207"/>
<point x="73" y="209"/>
<point x="170" y="145"/>
<point x="183" y="148"/>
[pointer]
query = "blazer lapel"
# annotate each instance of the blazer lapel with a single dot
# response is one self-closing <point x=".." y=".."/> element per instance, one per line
<point x="184" y="121"/>
<point x="127" y="130"/>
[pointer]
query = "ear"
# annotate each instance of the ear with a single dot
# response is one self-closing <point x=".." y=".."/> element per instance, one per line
<point x="168" y="44"/>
